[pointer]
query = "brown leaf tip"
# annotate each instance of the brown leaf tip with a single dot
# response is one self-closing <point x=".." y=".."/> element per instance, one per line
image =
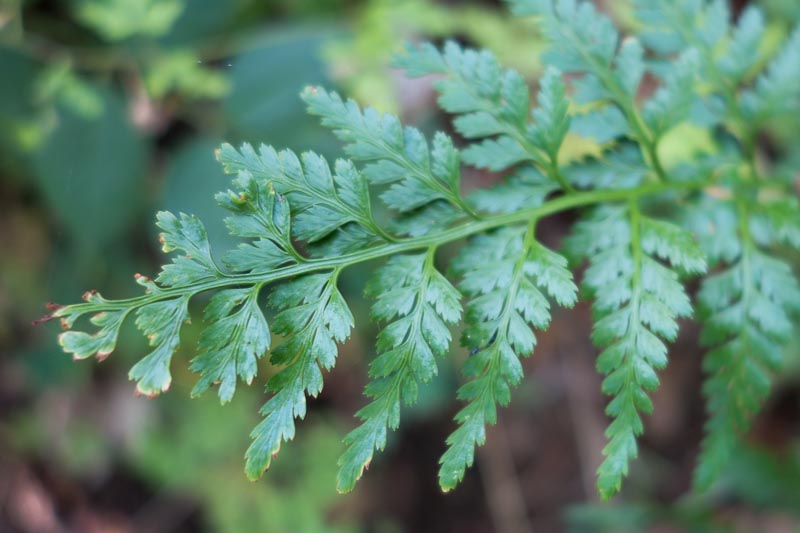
<point x="52" y="306"/>
<point x="42" y="320"/>
<point x="140" y="393"/>
<point x="88" y="295"/>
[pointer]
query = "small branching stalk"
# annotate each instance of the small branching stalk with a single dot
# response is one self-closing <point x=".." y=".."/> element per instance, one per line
<point x="303" y="221"/>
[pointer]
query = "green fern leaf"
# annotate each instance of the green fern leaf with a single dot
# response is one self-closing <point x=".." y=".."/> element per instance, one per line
<point x="312" y="318"/>
<point x="494" y="104"/>
<point x="742" y="51"/>
<point x="187" y="234"/>
<point x="417" y="303"/>
<point x="583" y="40"/>
<point x="257" y="213"/>
<point x="504" y="273"/>
<point x="83" y="345"/>
<point x="602" y="124"/>
<point x="776" y="91"/>
<point x="672" y="102"/>
<point x="400" y="157"/>
<point x="620" y="168"/>
<point x="237" y="336"/>
<point x="746" y="310"/>
<point x="161" y="323"/>
<point x="637" y="300"/>
<point x="323" y="202"/>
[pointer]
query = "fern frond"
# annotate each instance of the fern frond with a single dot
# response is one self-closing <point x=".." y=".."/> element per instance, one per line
<point x="776" y="91"/>
<point x="417" y="303"/>
<point x="494" y="104"/>
<point x="312" y="318"/>
<point x="620" y="168"/>
<point x="726" y="51"/>
<point x="302" y="221"/>
<point x="746" y="311"/>
<point x="504" y="274"/>
<point x="672" y="102"/>
<point x="237" y="336"/>
<point x="324" y="203"/>
<point x="582" y="40"/>
<point x="637" y="299"/>
<point x="728" y="55"/>
<point x="399" y="157"/>
<point x="186" y="234"/>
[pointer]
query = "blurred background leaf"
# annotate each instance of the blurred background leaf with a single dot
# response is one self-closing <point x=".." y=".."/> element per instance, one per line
<point x="267" y="77"/>
<point x="88" y="171"/>
<point x="121" y="19"/>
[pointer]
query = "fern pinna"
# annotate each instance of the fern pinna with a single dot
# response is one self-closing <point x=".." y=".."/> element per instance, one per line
<point x="650" y="223"/>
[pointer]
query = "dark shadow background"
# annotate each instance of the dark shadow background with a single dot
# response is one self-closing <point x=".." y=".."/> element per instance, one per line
<point x="110" y="111"/>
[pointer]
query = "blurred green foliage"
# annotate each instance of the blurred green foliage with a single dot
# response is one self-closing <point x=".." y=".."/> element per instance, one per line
<point x="299" y="498"/>
<point x="361" y="61"/>
<point x="767" y="486"/>
<point x="116" y="20"/>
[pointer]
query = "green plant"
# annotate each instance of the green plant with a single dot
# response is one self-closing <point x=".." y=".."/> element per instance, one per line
<point x="649" y="225"/>
<point x="358" y="61"/>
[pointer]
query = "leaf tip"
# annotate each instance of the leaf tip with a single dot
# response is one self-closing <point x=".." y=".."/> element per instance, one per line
<point x="151" y="393"/>
<point x="41" y="320"/>
<point x="253" y="470"/>
<point x="88" y="296"/>
<point x="254" y="476"/>
<point x="60" y="338"/>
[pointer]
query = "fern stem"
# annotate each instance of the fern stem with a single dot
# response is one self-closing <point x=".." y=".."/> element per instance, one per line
<point x="519" y="265"/>
<point x="517" y="131"/>
<point x="557" y="205"/>
<point x="641" y="132"/>
<point x="747" y="245"/>
<point x="647" y="140"/>
<point x="636" y="253"/>
<point x="537" y="158"/>
<point x="451" y="196"/>
<point x="559" y="177"/>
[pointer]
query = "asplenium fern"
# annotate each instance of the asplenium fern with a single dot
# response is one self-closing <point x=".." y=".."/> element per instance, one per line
<point x="303" y="222"/>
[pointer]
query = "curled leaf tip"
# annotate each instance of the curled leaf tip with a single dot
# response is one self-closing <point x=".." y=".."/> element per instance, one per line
<point x="88" y="295"/>
<point x="41" y="320"/>
<point x="52" y="306"/>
